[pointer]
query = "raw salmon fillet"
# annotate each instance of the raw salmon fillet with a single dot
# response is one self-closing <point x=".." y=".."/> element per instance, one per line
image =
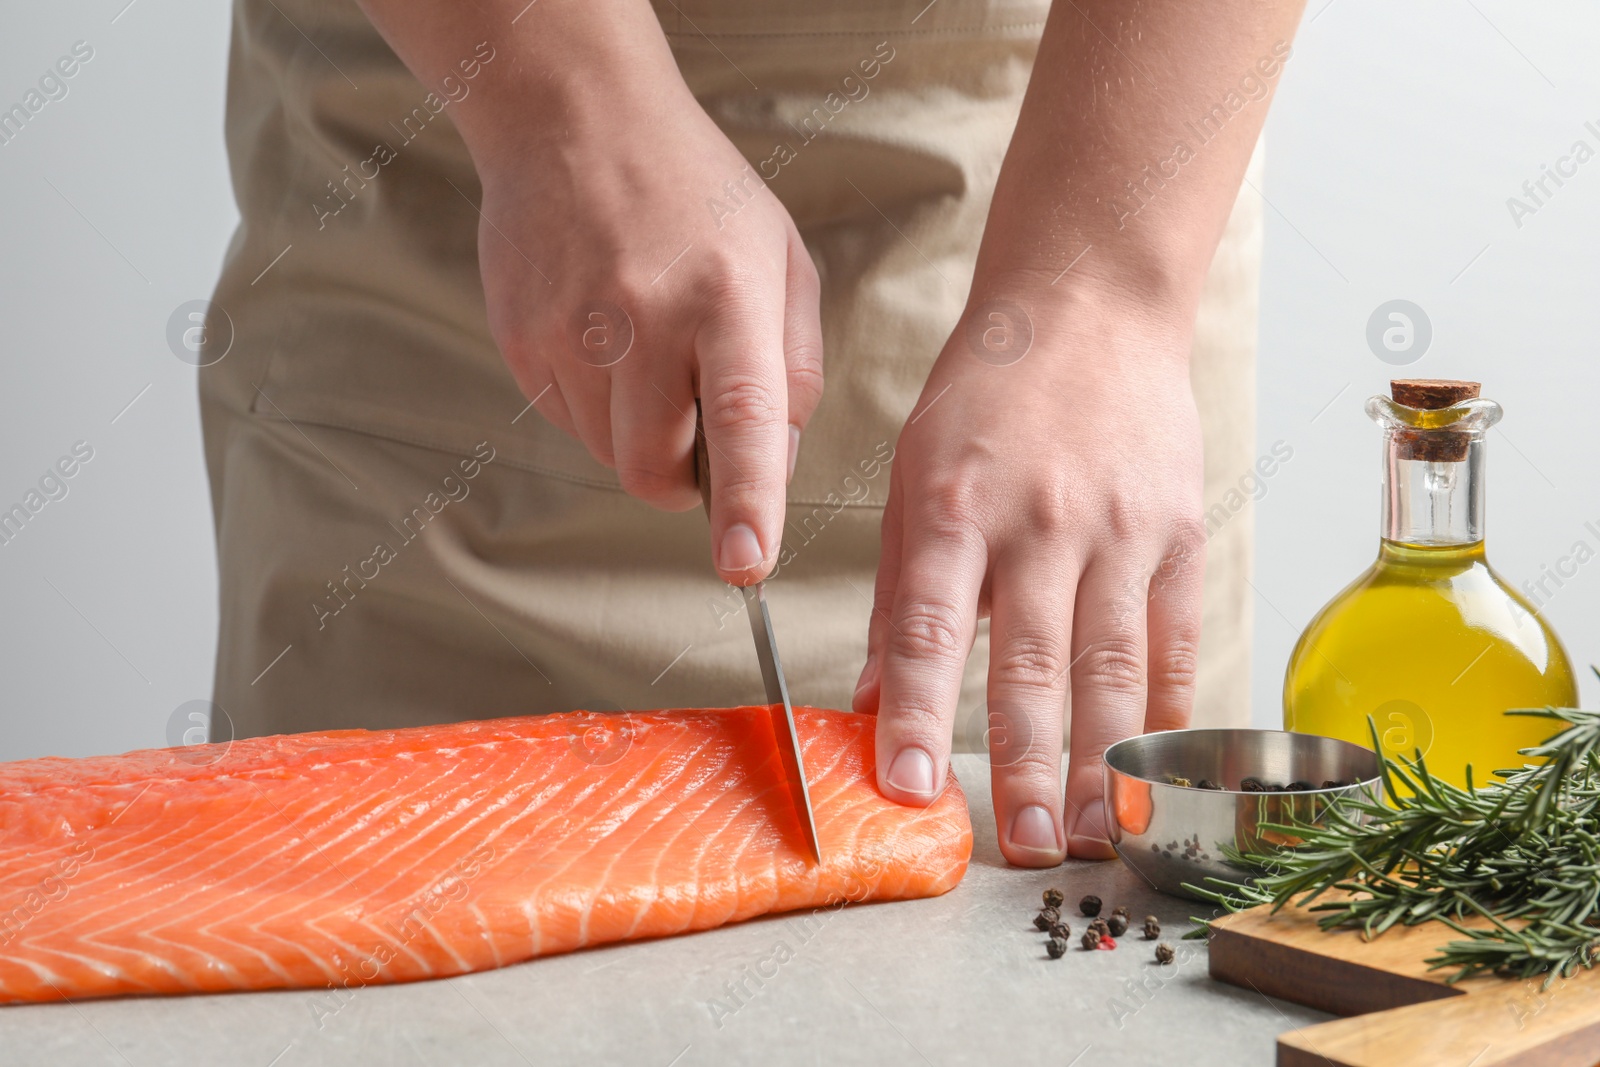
<point x="353" y="857"/>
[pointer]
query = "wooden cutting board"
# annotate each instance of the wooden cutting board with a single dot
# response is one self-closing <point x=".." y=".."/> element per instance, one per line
<point x="1399" y="1013"/>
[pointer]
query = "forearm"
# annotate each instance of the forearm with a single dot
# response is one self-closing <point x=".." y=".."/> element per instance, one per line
<point x="1132" y="142"/>
<point x="562" y="68"/>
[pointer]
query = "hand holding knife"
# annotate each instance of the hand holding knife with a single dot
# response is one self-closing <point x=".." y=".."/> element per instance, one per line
<point x="777" y="689"/>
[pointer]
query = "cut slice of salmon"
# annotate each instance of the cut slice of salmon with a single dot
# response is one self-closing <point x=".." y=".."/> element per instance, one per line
<point x="350" y="858"/>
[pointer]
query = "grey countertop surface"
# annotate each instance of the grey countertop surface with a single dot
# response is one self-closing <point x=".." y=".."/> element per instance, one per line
<point x="962" y="979"/>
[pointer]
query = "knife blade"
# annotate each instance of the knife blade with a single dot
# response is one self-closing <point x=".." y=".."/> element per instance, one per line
<point x="783" y="729"/>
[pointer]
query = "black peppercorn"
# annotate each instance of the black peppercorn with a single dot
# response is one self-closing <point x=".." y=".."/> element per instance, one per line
<point x="1252" y="784"/>
<point x="1056" y="947"/>
<point x="1120" y="909"/>
<point x="1061" y="930"/>
<point x="1152" y="927"/>
<point x="1206" y="783"/>
<point x="1117" y="924"/>
<point x="1299" y="786"/>
<point x="1043" y="920"/>
<point x="1091" y="939"/>
<point x="1164" y="953"/>
<point x="1054" y="898"/>
<point x="1089" y="905"/>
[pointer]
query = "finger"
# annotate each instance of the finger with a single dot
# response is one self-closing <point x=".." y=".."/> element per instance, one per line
<point x="802" y="342"/>
<point x="1030" y="631"/>
<point x="551" y="405"/>
<point x="867" y="687"/>
<point x="586" y="392"/>
<point x="740" y="354"/>
<point x="1174" y="629"/>
<point x="1108" y="690"/>
<point x="652" y="423"/>
<point x="925" y="653"/>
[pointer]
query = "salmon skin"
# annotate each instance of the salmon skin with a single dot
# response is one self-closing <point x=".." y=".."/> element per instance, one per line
<point x="352" y="857"/>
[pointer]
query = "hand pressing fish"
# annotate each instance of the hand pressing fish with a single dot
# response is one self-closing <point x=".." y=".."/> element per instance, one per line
<point x="352" y="858"/>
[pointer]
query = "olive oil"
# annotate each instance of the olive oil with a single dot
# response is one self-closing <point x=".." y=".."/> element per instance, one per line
<point x="1430" y="642"/>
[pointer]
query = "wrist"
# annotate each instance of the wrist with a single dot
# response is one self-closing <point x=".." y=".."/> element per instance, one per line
<point x="574" y="89"/>
<point x="1021" y="313"/>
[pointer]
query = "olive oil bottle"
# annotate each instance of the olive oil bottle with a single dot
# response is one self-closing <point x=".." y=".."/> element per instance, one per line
<point x="1430" y="642"/>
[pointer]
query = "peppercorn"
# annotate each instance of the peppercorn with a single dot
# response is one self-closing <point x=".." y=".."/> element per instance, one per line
<point x="1152" y="927"/>
<point x="1206" y="783"/>
<point x="1101" y="927"/>
<point x="1054" y="898"/>
<point x="1106" y="944"/>
<point x="1164" y="953"/>
<point x="1299" y="786"/>
<point x="1179" y="780"/>
<point x="1089" y="905"/>
<point x="1091" y="939"/>
<point x="1120" y="909"/>
<point x="1056" y="947"/>
<point x="1061" y="930"/>
<point x="1117" y="925"/>
<point x="1252" y="784"/>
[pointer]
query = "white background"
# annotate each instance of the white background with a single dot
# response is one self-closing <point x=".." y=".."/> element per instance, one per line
<point x="1397" y="136"/>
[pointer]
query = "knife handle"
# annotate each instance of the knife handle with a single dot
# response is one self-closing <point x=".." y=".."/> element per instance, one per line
<point x="702" y="461"/>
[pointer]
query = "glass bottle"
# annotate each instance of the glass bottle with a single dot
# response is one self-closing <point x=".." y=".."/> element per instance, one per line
<point x="1430" y="642"/>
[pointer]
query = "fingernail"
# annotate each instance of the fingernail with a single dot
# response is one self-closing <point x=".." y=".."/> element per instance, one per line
<point x="912" y="772"/>
<point x="1033" y="827"/>
<point x="740" y="549"/>
<point x="866" y="672"/>
<point x="1086" y="833"/>
<point x="868" y="676"/>
<point x="794" y="449"/>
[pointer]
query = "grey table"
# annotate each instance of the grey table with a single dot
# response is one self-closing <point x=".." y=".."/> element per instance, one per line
<point x="958" y="980"/>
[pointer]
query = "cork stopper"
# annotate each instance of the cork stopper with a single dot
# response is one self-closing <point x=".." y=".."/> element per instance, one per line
<point x="1435" y="446"/>
<point x="1432" y="393"/>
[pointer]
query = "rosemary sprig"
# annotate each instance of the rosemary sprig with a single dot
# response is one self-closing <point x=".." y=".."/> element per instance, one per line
<point x="1522" y="853"/>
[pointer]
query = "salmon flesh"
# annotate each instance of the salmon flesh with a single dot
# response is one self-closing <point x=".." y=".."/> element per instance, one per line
<point x="353" y="858"/>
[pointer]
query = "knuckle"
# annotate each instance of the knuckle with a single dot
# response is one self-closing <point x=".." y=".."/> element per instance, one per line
<point x="741" y="405"/>
<point x="1034" y="765"/>
<point x="1177" y="666"/>
<point x="1032" y="660"/>
<point x="930" y="630"/>
<point x="1113" y="662"/>
<point x="805" y="372"/>
<point x="1126" y="518"/>
<point x="1185" y="556"/>
<point x="728" y="291"/>
<point x="949" y="505"/>
<point x="1053" y="508"/>
<point x="913" y="718"/>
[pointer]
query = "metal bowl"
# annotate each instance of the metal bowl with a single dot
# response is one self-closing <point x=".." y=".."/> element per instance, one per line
<point x="1174" y="834"/>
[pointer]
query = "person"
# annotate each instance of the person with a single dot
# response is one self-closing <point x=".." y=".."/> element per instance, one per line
<point x="490" y="256"/>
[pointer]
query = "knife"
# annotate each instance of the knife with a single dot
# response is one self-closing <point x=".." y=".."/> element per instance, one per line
<point x="755" y="602"/>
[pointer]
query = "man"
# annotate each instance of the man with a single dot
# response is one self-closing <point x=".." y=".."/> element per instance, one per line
<point x="617" y="210"/>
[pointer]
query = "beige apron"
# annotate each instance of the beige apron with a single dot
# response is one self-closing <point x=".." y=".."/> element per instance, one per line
<point x="401" y="541"/>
